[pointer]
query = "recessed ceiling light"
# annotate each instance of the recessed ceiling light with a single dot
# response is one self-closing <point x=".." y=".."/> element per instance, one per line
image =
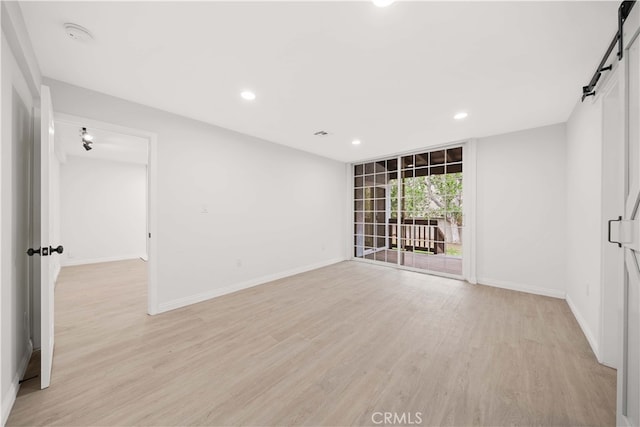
<point x="248" y="95"/>
<point x="356" y="142"/>
<point x="382" y="3"/>
<point x="461" y="115"/>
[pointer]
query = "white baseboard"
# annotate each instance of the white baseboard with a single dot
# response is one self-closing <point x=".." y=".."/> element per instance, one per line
<point x="10" y="398"/>
<point x="193" y="299"/>
<point x="585" y="328"/>
<point x="522" y="288"/>
<point x="549" y="293"/>
<point x="77" y="261"/>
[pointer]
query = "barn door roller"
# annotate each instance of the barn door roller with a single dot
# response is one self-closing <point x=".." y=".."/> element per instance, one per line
<point x="623" y="12"/>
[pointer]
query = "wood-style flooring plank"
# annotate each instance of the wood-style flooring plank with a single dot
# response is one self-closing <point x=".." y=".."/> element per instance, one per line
<point x="328" y="347"/>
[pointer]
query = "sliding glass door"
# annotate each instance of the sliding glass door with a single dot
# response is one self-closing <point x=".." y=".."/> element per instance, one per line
<point x="372" y="207"/>
<point x="408" y="211"/>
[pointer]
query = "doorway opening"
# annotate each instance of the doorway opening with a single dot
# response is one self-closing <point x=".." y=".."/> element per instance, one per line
<point x="105" y="194"/>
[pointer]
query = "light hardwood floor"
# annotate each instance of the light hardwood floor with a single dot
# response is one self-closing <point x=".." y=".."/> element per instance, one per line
<point x="328" y="347"/>
<point x="440" y="263"/>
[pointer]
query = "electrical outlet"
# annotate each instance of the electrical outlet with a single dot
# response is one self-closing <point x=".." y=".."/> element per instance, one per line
<point x="239" y="263"/>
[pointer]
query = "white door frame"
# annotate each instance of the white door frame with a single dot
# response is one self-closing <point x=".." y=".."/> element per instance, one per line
<point x="152" y="194"/>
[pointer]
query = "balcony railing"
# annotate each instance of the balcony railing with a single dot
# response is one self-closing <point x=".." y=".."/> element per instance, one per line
<point x="418" y="234"/>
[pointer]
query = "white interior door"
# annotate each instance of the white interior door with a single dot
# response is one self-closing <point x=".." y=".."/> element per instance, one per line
<point x="628" y="411"/>
<point x="46" y="279"/>
<point x="613" y="198"/>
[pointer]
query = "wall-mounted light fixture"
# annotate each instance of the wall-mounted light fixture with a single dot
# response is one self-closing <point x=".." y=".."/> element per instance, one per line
<point x="87" y="139"/>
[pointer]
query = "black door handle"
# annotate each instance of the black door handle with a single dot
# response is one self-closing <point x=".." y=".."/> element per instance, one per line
<point x="32" y="252"/>
<point x="59" y="249"/>
<point x="609" y="231"/>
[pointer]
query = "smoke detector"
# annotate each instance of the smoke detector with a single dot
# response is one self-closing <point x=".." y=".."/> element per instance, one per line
<point x="78" y="33"/>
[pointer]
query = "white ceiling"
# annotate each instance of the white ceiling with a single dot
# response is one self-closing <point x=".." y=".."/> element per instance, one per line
<point x="392" y="77"/>
<point x="107" y="145"/>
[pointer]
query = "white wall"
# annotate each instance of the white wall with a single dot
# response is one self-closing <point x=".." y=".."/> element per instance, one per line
<point x="103" y="210"/>
<point x="584" y="216"/>
<point x="521" y="210"/>
<point x="232" y="210"/>
<point x="595" y="194"/>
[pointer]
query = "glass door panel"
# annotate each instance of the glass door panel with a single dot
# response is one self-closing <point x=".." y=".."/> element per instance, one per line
<point x="408" y="211"/>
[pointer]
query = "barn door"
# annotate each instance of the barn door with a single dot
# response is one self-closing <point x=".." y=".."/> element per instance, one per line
<point x="628" y="411"/>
